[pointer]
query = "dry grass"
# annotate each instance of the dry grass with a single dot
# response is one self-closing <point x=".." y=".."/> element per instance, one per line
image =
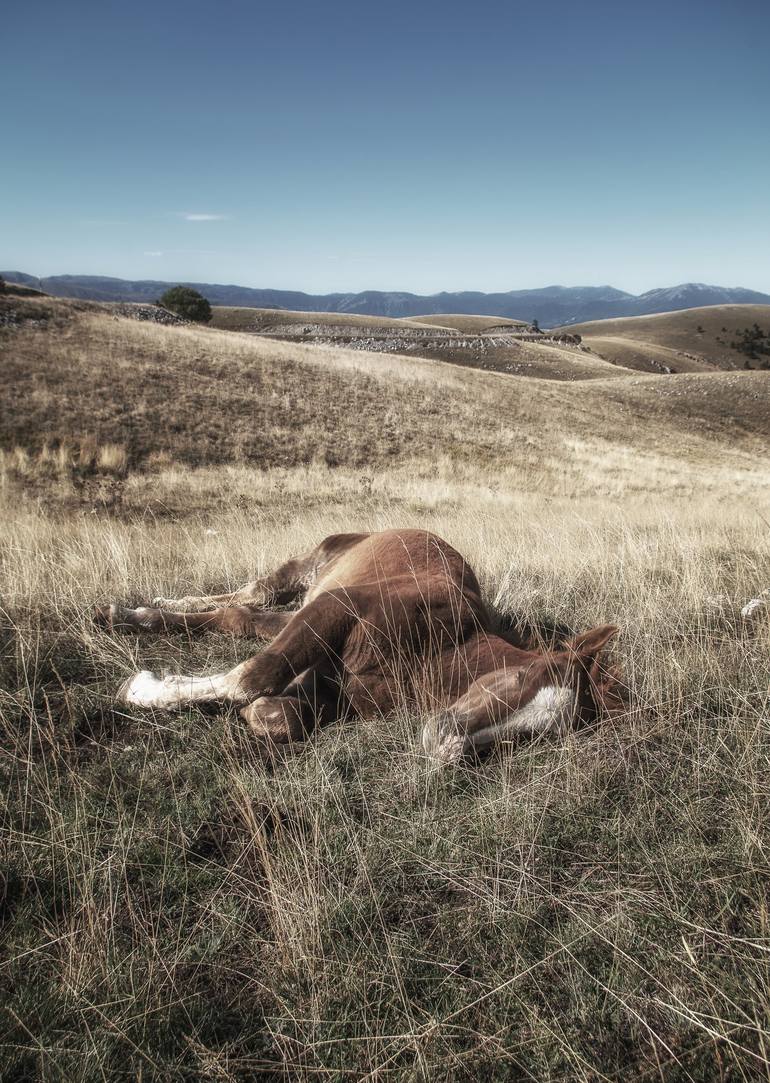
<point x="206" y="396"/>
<point x="230" y="318"/>
<point x="578" y="909"/>
<point x="470" y="324"/>
<point x="695" y="340"/>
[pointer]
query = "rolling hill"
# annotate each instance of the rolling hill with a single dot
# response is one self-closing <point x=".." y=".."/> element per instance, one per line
<point x="76" y="371"/>
<point x="696" y="340"/>
<point x="492" y="343"/>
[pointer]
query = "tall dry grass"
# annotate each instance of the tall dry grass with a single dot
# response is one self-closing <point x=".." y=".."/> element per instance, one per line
<point x="592" y="907"/>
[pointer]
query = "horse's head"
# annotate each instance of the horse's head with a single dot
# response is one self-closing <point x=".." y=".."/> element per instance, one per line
<point x="545" y="692"/>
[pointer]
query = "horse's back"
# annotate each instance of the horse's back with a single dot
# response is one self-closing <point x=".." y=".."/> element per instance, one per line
<point x="392" y="557"/>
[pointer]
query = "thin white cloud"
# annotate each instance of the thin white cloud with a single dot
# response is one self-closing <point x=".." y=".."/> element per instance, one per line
<point x="152" y="253"/>
<point x="205" y="217"/>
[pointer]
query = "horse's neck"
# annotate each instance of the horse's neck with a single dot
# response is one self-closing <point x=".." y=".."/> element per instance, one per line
<point x="480" y="653"/>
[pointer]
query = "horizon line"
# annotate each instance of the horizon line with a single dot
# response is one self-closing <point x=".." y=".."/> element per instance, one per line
<point x="413" y="293"/>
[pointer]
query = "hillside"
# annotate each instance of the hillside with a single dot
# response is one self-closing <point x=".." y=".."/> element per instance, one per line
<point x="508" y="346"/>
<point x="180" y="904"/>
<point x="73" y="371"/>
<point x="551" y="305"/>
<point x="696" y="340"/>
<point x="462" y="322"/>
<point x="280" y="320"/>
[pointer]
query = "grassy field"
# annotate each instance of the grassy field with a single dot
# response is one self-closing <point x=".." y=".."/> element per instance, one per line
<point x="586" y="908"/>
<point x="75" y="374"/>
<point x="696" y="340"/>
<point x="265" y="319"/>
<point x="228" y="318"/>
<point x="464" y="323"/>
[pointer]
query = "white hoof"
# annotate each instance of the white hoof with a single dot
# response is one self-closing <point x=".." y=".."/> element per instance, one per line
<point x="144" y="689"/>
<point x="442" y="743"/>
<point x="756" y="605"/>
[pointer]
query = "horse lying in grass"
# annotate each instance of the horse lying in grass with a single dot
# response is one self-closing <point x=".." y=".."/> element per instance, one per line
<point x="381" y="616"/>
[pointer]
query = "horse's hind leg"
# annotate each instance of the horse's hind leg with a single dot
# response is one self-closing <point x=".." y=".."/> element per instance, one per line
<point x="281" y="587"/>
<point x="239" y="620"/>
<point x="311" y="639"/>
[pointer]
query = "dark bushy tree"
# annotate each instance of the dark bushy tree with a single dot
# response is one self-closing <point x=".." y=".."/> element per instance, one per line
<point x="187" y="303"/>
<point x="755" y="344"/>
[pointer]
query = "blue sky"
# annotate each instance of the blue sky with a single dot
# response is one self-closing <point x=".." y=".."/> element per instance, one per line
<point x="417" y="146"/>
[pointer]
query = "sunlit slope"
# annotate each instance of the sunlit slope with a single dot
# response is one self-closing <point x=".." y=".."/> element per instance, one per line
<point x="476" y="324"/>
<point x="204" y="396"/>
<point x="266" y="320"/>
<point x="693" y="340"/>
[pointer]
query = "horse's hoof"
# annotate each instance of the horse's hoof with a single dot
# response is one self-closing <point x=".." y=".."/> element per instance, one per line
<point x="113" y="617"/>
<point x="117" y="618"/>
<point x="178" y="605"/>
<point x="102" y="616"/>
<point x="141" y="689"/>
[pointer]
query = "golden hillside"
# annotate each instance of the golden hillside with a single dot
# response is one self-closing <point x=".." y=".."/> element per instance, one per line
<point x="694" y="340"/>
<point x="75" y="371"/>
<point x="486" y="342"/>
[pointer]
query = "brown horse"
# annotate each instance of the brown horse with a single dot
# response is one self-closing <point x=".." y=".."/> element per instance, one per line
<point x="382" y="616"/>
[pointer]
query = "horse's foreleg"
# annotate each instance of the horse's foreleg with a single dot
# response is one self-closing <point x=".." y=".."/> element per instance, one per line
<point x="146" y="689"/>
<point x="310" y="700"/>
<point x="314" y="636"/>
<point x="497" y="707"/>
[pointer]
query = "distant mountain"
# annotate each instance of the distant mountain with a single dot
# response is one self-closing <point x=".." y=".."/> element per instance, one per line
<point x="552" y="306"/>
<point x="693" y="295"/>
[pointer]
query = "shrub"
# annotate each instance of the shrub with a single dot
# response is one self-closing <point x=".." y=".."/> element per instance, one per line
<point x="754" y="343"/>
<point x="187" y="303"/>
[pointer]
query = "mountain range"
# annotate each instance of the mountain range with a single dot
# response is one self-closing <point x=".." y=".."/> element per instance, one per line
<point x="551" y="306"/>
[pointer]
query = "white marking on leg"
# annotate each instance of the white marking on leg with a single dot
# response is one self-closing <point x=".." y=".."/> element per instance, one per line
<point x="144" y="689"/>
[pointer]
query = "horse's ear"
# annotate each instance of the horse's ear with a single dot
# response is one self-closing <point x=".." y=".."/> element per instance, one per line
<point x="588" y="644"/>
<point x="594" y="685"/>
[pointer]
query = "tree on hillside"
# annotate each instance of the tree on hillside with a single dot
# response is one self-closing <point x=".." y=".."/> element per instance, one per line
<point x="2" y="284"/>
<point x="187" y="303"/>
<point x="755" y="344"/>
